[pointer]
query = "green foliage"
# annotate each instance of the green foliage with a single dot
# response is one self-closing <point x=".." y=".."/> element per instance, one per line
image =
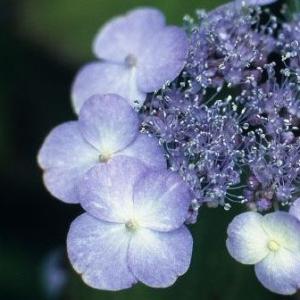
<point x="67" y="27"/>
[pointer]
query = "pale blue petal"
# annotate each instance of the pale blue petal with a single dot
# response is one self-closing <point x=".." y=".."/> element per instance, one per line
<point x="163" y="58"/>
<point x="158" y="258"/>
<point x="161" y="200"/>
<point x="106" y="191"/>
<point x="109" y="123"/>
<point x="126" y="35"/>
<point x="283" y="228"/>
<point x="280" y="272"/>
<point x="147" y="150"/>
<point x="65" y="156"/>
<point x="106" y="78"/>
<point x="247" y="241"/>
<point x="98" y="251"/>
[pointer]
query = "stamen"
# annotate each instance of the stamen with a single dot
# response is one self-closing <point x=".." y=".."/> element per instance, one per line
<point x="273" y="246"/>
<point x="104" y="158"/>
<point x="132" y="225"/>
<point x="130" y="60"/>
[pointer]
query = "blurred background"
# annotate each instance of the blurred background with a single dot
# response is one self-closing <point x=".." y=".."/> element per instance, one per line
<point x="42" y="45"/>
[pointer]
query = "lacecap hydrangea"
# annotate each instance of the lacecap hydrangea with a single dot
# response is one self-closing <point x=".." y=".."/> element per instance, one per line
<point x="172" y="119"/>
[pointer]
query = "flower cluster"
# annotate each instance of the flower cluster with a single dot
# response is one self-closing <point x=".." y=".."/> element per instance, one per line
<point x="133" y="226"/>
<point x="203" y="144"/>
<point x="172" y="119"/>
<point x="224" y="46"/>
<point x="289" y="43"/>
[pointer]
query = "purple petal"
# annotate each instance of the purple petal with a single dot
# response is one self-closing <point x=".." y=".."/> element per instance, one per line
<point x="163" y="58"/>
<point x="246" y="238"/>
<point x="126" y="35"/>
<point x="108" y="123"/>
<point x="280" y="272"/>
<point x="65" y="156"/>
<point x="104" y="78"/>
<point x="158" y="258"/>
<point x="147" y="150"/>
<point x="295" y="209"/>
<point x="161" y="201"/>
<point x="98" y="251"/>
<point x="106" y="191"/>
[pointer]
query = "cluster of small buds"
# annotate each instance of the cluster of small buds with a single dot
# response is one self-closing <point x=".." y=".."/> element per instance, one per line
<point x="170" y="119"/>
<point x="204" y="144"/>
<point x="275" y="170"/>
<point x="288" y="43"/>
<point x="273" y="156"/>
<point x="228" y="45"/>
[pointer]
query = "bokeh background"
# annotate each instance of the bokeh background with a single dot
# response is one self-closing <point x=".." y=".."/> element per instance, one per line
<point x="42" y="45"/>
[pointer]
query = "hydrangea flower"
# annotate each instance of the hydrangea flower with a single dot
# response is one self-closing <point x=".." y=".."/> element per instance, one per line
<point x="272" y="244"/>
<point x="133" y="229"/>
<point x="289" y="41"/>
<point x="226" y="47"/>
<point x="203" y="144"/>
<point x="221" y="101"/>
<point x="138" y="54"/>
<point x="107" y="127"/>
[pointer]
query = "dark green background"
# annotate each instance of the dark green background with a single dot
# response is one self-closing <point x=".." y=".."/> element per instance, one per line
<point x="42" y="44"/>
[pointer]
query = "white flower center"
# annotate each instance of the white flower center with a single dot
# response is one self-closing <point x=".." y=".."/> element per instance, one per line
<point x="104" y="157"/>
<point x="273" y="245"/>
<point x="132" y="225"/>
<point x="130" y="61"/>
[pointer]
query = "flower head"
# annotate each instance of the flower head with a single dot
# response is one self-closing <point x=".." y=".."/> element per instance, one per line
<point x="107" y="127"/>
<point x="289" y="43"/>
<point x="203" y="144"/>
<point x="272" y="244"/>
<point x="139" y="54"/>
<point x="133" y="229"/>
<point x="224" y="47"/>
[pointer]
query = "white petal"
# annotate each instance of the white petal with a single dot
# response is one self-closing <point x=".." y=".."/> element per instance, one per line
<point x="280" y="272"/>
<point x="284" y="229"/>
<point x="247" y="241"/>
<point x="106" y="191"/>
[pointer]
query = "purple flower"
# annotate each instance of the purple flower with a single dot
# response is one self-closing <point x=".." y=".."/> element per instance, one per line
<point x="225" y="47"/>
<point x="107" y="127"/>
<point x="272" y="244"/>
<point x="289" y="41"/>
<point x="203" y="144"/>
<point x="133" y="229"/>
<point x="139" y="54"/>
